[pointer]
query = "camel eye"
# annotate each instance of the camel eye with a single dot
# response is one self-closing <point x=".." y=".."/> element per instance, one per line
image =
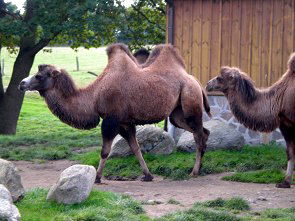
<point x="219" y="79"/>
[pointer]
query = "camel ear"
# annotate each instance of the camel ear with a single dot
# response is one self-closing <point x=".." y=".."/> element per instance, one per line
<point x="41" y="67"/>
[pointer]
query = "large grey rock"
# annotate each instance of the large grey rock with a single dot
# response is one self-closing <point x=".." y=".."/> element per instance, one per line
<point x="222" y="136"/>
<point x="74" y="185"/>
<point x="8" y="211"/>
<point x="151" y="139"/>
<point x="10" y="178"/>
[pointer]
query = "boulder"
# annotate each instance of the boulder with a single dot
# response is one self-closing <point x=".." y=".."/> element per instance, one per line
<point x="151" y="139"/>
<point x="74" y="185"/>
<point x="10" y="178"/>
<point x="222" y="136"/>
<point x="8" y="211"/>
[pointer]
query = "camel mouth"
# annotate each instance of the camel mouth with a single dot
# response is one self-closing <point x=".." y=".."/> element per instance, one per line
<point x="23" y="87"/>
<point x="209" y="88"/>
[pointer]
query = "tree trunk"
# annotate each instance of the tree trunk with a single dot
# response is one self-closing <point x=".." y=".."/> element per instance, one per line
<point x="11" y="101"/>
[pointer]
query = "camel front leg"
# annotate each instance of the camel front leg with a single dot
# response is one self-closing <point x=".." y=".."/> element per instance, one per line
<point x="288" y="133"/>
<point x="290" y="167"/>
<point x="129" y="133"/>
<point x="109" y="130"/>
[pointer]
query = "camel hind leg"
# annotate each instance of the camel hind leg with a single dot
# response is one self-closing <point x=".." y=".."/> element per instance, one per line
<point x="194" y="125"/>
<point x="128" y="132"/>
<point x="289" y="135"/>
<point x="192" y="107"/>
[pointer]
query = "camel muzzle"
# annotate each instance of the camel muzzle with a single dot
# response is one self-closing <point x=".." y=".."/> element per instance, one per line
<point x="23" y="86"/>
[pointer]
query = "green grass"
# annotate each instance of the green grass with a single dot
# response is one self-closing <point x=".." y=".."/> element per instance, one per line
<point x="260" y="176"/>
<point x="40" y="135"/>
<point x="100" y="206"/>
<point x="64" y="57"/>
<point x="235" y="203"/>
<point x="178" y="165"/>
<point x="105" y="206"/>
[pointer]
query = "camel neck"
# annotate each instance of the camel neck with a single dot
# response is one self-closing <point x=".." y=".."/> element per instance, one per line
<point x="260" y="113"/>
<point x="77" y="109"/>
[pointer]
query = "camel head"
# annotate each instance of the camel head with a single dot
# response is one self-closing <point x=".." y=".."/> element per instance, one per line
<point x="227" y="79"/>
<point x="43" y="80"/>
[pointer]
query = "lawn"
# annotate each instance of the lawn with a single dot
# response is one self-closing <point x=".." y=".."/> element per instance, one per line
<point x="64" y="57"/>
<point x="105" y="206"/>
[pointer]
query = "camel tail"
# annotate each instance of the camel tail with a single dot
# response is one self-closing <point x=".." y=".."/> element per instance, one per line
<point x="291" y="63"/>
<point x="206" y="103"/>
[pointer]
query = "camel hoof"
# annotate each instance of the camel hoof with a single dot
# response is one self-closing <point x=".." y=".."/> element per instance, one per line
<point x="97" y="180"/>
<point x="147" y="178"/>
<point x="284" y="184"/>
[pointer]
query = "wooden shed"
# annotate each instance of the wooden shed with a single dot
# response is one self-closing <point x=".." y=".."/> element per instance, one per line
<point x="254" y="35"/>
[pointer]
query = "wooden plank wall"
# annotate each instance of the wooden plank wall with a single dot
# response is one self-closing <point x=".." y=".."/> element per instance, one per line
<point x="256" y="35"/>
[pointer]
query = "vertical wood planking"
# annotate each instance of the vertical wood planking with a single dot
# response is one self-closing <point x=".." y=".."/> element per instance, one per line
<point x="225" y="34"/>
<point x="215" y="39"/>
<point x="246" y="36"/>
<point x="277" y="29"/>
<point x="265" y="40"/>
<point x="235" y="33"/>
<point x="287" y="33"/>
<point x="256" y="31"/>
<point x="197" y="39"/>
<point x="206" y="25"/>
<point x="255" y="35"/>
<point x="178" y="24"/>
<point x="186" y="49"/>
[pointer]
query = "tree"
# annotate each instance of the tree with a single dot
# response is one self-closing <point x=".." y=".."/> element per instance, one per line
<point x="144" y="24"/>
<point x="85" y="22"/>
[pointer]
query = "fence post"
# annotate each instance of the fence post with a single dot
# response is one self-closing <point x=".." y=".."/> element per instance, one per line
<point x="2" y="67"/>
<point x="77" y="63"/>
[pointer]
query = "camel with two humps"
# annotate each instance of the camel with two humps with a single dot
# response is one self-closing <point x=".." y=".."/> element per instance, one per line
<point x="127" y="94"/>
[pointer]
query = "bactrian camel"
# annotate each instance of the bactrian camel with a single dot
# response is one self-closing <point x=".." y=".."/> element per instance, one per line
<point x="265" y="109"/>
<point x="126" y="94"/>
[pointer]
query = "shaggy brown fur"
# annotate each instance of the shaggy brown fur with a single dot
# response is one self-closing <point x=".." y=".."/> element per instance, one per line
<point x="125" y="95"/>
<point x="262" y="109"/>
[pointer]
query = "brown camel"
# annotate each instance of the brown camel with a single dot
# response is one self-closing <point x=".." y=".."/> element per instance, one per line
<point x="262" y="110"/>
<point x="124" y="95"/>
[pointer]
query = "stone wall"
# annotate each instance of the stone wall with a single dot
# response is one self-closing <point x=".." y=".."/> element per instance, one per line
<point x="220" y="110"/>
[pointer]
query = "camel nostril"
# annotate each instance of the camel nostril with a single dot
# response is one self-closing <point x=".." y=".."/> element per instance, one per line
<point x="22" y="86"/>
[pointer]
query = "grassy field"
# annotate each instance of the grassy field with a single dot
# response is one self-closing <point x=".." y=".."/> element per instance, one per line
<point x="64" y="57"/>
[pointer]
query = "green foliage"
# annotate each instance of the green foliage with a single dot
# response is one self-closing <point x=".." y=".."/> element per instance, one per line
<point x="144" y="24"/>
<point x="84" y="23"/>
<point x="99" y="206"/>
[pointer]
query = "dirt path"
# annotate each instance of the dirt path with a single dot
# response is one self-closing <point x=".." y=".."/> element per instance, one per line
<point x="260" y="196"/>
